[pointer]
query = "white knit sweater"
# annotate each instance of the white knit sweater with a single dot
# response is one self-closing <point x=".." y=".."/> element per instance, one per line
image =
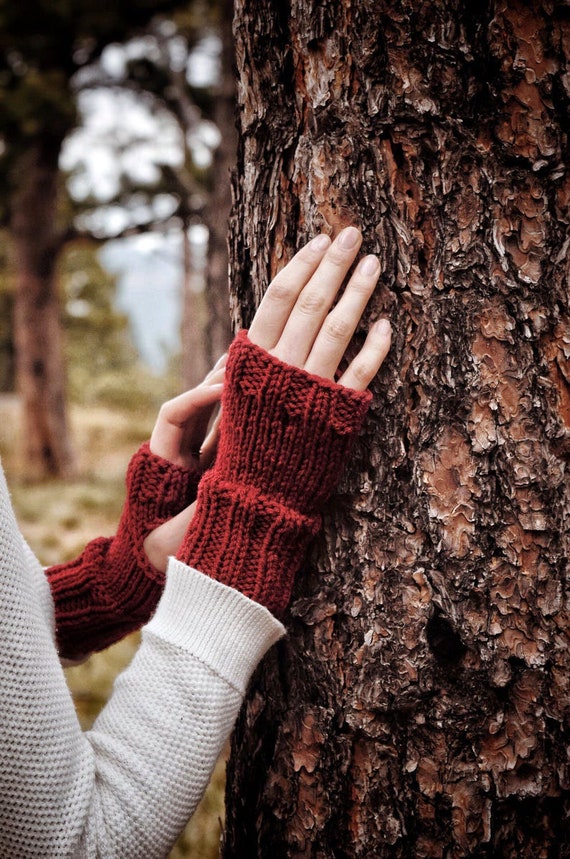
<point x="127" y="787"/>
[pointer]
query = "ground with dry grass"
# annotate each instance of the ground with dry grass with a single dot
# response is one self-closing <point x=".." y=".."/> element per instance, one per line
<point x="58" y="518"/>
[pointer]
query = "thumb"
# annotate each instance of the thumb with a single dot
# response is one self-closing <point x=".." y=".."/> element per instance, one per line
<point x="165" y="540"/>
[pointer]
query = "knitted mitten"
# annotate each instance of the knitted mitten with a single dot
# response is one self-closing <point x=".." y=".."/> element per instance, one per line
<point x="112" y="588"/>
<point x="284" y="437"/>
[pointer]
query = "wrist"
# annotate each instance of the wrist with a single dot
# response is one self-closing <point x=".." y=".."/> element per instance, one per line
<point x="284" y="438"/>
<point x="164" y="541"/>
<point x="158" y="487"/>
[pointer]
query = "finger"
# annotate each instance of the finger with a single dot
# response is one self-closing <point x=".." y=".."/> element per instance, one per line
<point x="210" y="445"/>
<point x="283" y="291"/>
<point x="178" y="410"/>
<point x="193" y="435"/>
<point x="215" y="371"/>
<point x="175" y="427"/>
<point x="185" y="407"/>
<point x="316" y="298"/>
<point x="340" y="324"/>
<point x="196" y="425"/>
<point x="366" y="364"/>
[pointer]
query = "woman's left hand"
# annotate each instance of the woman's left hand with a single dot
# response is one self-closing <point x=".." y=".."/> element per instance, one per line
<point x="181" y="434"/>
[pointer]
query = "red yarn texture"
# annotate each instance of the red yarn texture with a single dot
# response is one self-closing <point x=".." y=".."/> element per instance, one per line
<point x="284" y="438"/>
<point x="111" y="589"/>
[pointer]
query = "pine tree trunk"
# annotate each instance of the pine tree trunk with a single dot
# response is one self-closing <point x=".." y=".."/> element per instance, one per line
<point x="194" y="359"/>
<point x="219" y="328"/>
<point x="420" y="705"/>
<point x="40" y="373"/>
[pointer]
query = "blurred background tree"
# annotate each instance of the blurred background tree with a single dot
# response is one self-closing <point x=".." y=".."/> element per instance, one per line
<point x="6" y="307"/>
<point x="50" y="56"/>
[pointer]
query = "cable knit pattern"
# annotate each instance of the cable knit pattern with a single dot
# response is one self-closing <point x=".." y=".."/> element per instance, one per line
<point x="112" y="588"/>
<point x="284" y="438"/>
<point x="125" y="789"/>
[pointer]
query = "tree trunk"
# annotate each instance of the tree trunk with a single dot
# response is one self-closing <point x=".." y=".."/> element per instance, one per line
<point x="420" y="705"/>
<point x="40" y="373"/>
<point x="195" y="363"/>
<point x="216" y="216"/>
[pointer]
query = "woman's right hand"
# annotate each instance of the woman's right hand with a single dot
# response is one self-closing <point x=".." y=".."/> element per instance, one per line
<point x="296" y="324"/>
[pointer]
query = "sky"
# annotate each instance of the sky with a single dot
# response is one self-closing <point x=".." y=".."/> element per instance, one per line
<point x="149" y="289"/>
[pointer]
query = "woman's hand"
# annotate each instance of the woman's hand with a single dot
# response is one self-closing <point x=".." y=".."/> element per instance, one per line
<point x="295" y="322"/>
<point x="180" y="434"/>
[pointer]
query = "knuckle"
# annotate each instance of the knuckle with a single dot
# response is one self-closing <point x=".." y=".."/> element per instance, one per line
<point x="165" y="409"/>
<point x="311" y="302"/>
<point x="337" y="328"/>
<point x="361" y="286"/>
<point x="169" y="411"/>
<point x="363" y="372"/>
<point x="280" y="290"/>
<point x="337" y="256"/>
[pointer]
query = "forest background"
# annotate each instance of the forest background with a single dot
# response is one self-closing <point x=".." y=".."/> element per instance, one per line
<point x="141" y="116"/>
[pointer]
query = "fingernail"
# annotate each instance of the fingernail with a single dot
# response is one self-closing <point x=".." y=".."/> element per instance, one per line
<point x="320" y="243"/>
<point x="369" y="265"/>
<point x="383" y="326"/>
<point x="348" y="238"/>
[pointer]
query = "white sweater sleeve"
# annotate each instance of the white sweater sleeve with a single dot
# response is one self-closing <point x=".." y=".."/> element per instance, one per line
<point x="127" y="787"/>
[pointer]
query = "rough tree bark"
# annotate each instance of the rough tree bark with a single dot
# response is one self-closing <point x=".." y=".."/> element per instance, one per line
<point x="40" y="371"/>
<point x="420" y="705"/>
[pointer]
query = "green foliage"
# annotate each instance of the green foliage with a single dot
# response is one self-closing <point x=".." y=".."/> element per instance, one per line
<point x="102" y="363"/>
<point x="43" y="44"/>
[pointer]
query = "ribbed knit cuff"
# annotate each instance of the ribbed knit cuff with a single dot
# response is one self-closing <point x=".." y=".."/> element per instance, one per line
<point x="284" y="431"/>
<point x="157" y="489"/>
<point x="95" y="604"/>
<point x="247" y="541"/>
<point x="284" y="439"/>
<point x="112" y="588"/>
<point x="218" y="625"/>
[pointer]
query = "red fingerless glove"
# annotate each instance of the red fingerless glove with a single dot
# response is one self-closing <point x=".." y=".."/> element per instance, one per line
<point x="111" y="589"/>
<point x="284" y="438"/>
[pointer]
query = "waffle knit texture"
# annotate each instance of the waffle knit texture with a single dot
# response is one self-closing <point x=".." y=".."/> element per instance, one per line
<point x="284" y="438"/>
<point x="111" y="589"/>
<point x="126" y="788"/>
